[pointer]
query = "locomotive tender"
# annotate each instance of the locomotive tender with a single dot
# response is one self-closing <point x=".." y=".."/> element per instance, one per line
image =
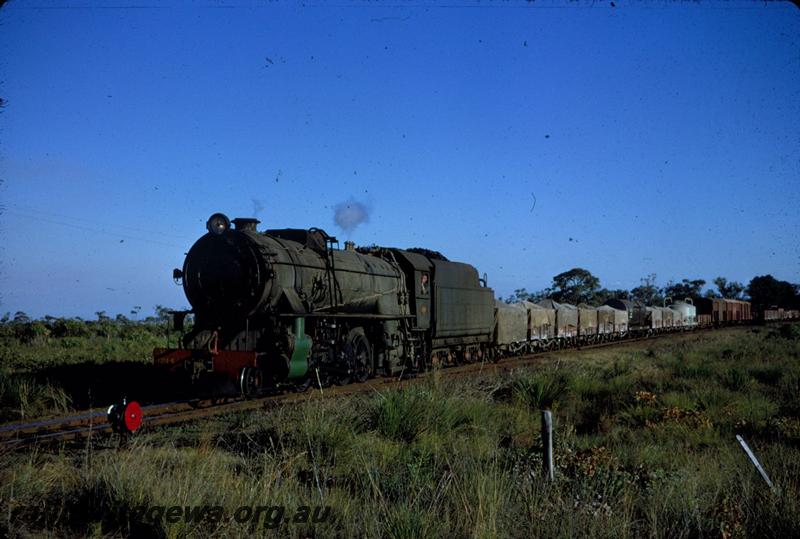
<point x="288" y="306"/>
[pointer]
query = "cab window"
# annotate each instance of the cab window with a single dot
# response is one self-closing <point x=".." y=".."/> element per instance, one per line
<point x="424" y="283"/>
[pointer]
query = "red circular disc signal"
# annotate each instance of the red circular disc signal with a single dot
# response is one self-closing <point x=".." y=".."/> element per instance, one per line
<point x="133" y="416"/>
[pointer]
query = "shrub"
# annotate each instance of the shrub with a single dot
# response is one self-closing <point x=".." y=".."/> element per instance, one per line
<point x="539" y="392"/>
<point x="735" y="379"/>
<point x="68" y="327"/>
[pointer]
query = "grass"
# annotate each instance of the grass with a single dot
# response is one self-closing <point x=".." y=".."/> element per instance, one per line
<point x="644" y="443"/>
<point x="56" y="365"/>
<point x="24" y="396"/>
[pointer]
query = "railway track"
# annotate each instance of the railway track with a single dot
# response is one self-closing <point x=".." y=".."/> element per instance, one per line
<point x="95" y="422"/>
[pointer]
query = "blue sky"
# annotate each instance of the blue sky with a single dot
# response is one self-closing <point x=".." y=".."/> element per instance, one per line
<point x="522" y="138"/>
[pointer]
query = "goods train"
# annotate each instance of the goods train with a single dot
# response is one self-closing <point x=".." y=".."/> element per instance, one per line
<point x="288" y="307"/>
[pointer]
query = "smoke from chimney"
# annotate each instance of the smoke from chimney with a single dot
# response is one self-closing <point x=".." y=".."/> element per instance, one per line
<point x="258" y="206"/>
<point x="350" y="214"/>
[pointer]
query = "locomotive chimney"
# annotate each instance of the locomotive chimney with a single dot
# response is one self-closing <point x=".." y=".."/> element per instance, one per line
<point x="349" y="246"/>
<point x="245" y="224"/>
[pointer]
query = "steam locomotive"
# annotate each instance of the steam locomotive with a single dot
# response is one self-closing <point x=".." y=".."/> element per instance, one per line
<point x="288" y="307"/>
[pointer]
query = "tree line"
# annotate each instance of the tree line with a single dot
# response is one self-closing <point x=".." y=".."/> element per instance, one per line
<point x="29" y="330"/>
<point x="579" y="285"/>
<point x="574" y="286"/>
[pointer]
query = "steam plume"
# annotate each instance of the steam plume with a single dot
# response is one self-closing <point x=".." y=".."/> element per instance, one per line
<point x="349" y="214"/>
<point x="257" y="206"/>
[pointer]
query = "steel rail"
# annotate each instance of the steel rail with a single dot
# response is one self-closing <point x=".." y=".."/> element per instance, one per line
<point x="94" y="421"/>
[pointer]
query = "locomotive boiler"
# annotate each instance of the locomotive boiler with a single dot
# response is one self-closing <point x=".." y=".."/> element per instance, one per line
<point x="289" y="306"/>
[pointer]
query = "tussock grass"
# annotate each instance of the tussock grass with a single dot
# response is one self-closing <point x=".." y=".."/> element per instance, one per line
<point x="644" y="443"/>
<point x="23" y="397"/>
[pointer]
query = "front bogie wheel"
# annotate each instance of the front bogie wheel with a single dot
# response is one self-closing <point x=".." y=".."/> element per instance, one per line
<point x="250" y="381"/>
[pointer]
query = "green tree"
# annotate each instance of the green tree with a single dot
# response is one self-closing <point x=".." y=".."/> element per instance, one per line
<point x="604" y="294"/>
<point x="32" y="332"/>
<point x="766" y="291"/>
<point x="521" y="294"/>
<point x="574" y="286"/>
<point x="687" y="288"/>
<point x="163" y="314"/>
<point x="729" y="290"/>
<point x="69" y="327"/>
<point x="648" y="292"/>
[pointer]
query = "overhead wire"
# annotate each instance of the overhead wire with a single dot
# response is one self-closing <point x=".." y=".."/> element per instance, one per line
<point x="32" y="214"/>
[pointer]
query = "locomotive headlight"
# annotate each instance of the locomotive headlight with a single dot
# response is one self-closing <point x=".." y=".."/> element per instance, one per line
<point x="218" y="223"/>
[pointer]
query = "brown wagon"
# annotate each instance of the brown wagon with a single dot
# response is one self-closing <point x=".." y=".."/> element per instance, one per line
<point x="715" y="308"/>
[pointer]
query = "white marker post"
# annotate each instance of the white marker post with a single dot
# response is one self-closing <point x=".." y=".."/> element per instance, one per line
<point x="755" y="462"/>
<point x="547" y="443"/>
